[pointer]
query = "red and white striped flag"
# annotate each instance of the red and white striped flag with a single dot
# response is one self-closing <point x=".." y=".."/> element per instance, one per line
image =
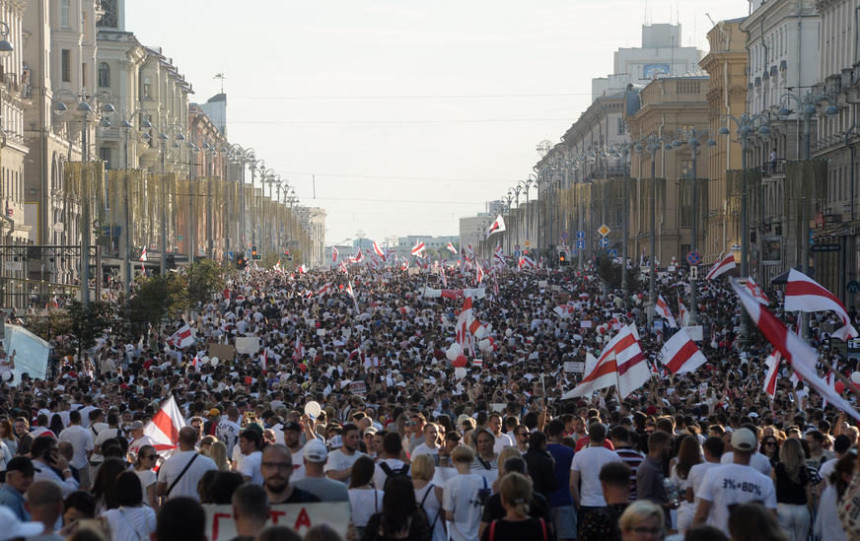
<point x="324" y="289"/>
<point x="497" y="226"/>
<point x="182" y="338"/>
<point x="333" y="254"/>
<point x="756" y="291"/>
<point x="451" y="248"/>
<point x="663" y="311"/>
<point x="351" y="293"/>
<point x="682" y="312"/>
<point x="772" y="362"/>
<point x="803" y="294"/>
<point x="418" y="249"/>
<point x="479" y="274"/>
<point x="298" y="350"/>
<point x="721" y="267"/>
<point x="143" y="254"/>
<point x="195" y="362"/>
<point x="165" y="425"/>
<point x="499" y="256"/>
<point x="526" y="262"/>
<point x="357" y="258"/>
<point x="799" y="354"/>
<point x="378" y="251"/>
<point x="680" y="354"/>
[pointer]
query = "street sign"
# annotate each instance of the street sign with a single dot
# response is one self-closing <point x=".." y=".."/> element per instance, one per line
<point x="580" y="244"/>
<point x="853" y="287"/>
<point x="612" y="252"/>
<point x="564" y="237"/>
<point x="603" y="230"/>
<point x="825" y="248"/>
<point x="517" y="247"/>
<point x="580" y="235"/>
<point x="603" y="242"/>
<point x="694" y="258"/>
<point x="527" y="244"/>
<point x="180" y="237"/>
<point x="694" y="272"/>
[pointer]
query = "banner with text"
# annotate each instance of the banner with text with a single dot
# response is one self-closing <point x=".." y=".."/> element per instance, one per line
<point x="300" y="517"/>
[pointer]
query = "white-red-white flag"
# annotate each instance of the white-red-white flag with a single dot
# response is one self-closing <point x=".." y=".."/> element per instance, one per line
<point x="497" y="226"/>
<point x="195" y="362"/>
<point x="333" y="254"/>
<point x="633" y="371"/>
<point x="799" y="354"/>
<point x="772" y="362"/>
<point x="357" y="258"/>
<point x="803" y="294"/>
<point x="600" y="373"/>
<point x="418" y="249"/>
<point x="324" y="289"/>
<point x="182" y="338"/>
<point x="499" y="257"/>
<point x="663" y="311"/>
<point x="298" y="350"/>
<point x="479" y="274"/>
<point x="680" y="354"/>
<point x="351" y="293"/>
<point x="143" y="254"/>
<point x="165" y="425"/>
<point x="378" y="251"/>
<point x="682" y="312"/>
<point x="721" y="267"/>
<point x="451" y="248"/>
<point x="756" y="291"/>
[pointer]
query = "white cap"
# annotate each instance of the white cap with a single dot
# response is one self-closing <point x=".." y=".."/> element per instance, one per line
<point x="14" y="528"/>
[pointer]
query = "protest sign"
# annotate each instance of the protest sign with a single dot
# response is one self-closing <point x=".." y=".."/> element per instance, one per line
<point x="357" y="387"/>
<point x="300" y="517"/>
<point x="31" y="353"/>
<point x="225" y="352"/>
<point x="247" y="344"/>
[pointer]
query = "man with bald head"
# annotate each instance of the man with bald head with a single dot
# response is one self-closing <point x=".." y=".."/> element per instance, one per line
<point x="180" y="473"/>
<point x="276" y="467"/>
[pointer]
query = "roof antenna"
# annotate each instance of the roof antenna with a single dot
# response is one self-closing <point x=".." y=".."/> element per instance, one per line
<point x="223" y="78"/>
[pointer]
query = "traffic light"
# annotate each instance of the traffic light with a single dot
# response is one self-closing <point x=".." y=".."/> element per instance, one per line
<point x="241" y="263"/>
<point x="562" y="258"/>
<point x="254" y="254"/>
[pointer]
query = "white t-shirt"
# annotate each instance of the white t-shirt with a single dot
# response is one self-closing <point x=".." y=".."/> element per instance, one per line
<point x="731" y="484"/>
<point x="250" y="467"/>
<point x="228" y="432"/>
<point x="588" y="463"/>
<point x="147" y="478"/>
<point x="502" y="441"/>
<point x="479" y="466"/>
<point x="758" y="461"/>
<point x="460" y="495"/>
<point x="827" y="469"/>
<point x="697" y="474"/>
<point x="130" y="523"/>
<point x="134" y="447"/>
<point x="82" y="442"/>
<point x="363" y="503"/>
<point x="380" y="477"/>
<point x="338" y="460"/>
<point x="424" y="449"/>
<point x="187" y="485"/>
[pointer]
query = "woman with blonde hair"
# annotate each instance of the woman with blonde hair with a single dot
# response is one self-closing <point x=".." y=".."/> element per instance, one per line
<point x="218" y="454"/>
<point x="427" y="494"/>
<point x="146" y="460"/>
<point x="206" y="445"/>
<point x="793" y="490"/>
<point x="504" y="455"/>
<point x="642" y="519"/>
<point x="516" y="493"/>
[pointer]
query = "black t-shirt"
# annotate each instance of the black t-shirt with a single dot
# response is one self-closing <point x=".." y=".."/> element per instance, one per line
<point x="301" y="496"/>
<point x="511" y="530"/>
<point x="538" y="508"/>
<point x="787" y="491"/>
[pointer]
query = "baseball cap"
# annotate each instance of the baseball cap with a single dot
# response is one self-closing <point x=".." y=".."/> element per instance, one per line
<point x="292" y="425"/>
<point x="14" y="528"/>
<point x="336" y="442"/>
<point x="315" y="451"/>
<point x="21" y="464"/>
<point x="370" y="430"/>
<point x="743" y="440"/>
<point x="137" y="425"/>
<point x="214" y="412"/>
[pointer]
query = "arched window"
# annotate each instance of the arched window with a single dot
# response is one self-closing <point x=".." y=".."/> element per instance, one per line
<point x="104" y="75"/>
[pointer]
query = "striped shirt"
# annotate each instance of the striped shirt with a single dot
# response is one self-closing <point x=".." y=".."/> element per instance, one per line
<point x="632" y="458"/>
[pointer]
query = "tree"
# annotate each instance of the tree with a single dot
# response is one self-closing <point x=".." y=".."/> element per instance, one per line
<point x="205" y="278"/>
<point x="609" y="272"/>
<point x="87" y="324"/>
<point x="156" y="298"/>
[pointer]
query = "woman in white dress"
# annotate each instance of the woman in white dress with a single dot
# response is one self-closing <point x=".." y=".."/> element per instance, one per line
<point x="428" y="494"/>
<point x="364" y="498"/>
<point x="131" y="521"/>
<point x="147" y="457"/>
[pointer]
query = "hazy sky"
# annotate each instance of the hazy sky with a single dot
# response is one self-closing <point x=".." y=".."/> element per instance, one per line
<point x="409" y="114"/>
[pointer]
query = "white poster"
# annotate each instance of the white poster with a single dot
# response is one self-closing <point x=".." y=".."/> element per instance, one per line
<point x="247" y="344"/>
<point x="31" y="353"/>
<point x="695" y="333"/>
<point x="300" y="517"/>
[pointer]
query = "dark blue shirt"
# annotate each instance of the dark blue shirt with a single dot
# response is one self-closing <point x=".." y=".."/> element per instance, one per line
<point x="563" y="456"/>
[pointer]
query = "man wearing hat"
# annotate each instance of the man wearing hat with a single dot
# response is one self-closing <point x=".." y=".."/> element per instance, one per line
<point x="314" y="455"/>
<point x="730" y="484"/>
<point x="19" y="477"/>
<point x="139" y="438"/>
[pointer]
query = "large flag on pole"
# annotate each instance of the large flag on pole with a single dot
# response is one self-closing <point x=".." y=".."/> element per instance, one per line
<point x="798" y="353"/>
<point x="164" y="427"/>
<point x="756" y="291"/>
<point x="682" y="312"/>
<point x="621" y="363"/>
<point x="451" y="248"/>
<point x="721" y="267"/>
<point x="378" y="251"/>
<point x="182" y="338"/>
<point x="772" y="363"/>
<point x="497" y="226"/>
<point x="803" y="294"/>
<point x="418" y="249"/>
<point x="680" y="354"/>
<point x="333" y="254"/>
<point x="663" y="311"/>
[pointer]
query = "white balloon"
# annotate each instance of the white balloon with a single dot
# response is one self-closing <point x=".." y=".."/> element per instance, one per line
<point x="213" y="361"/>
<point x="313" y="409"/>
<point x="454" y="351"/>
<point x="855" y="377"/>
<point x="7" y="376"/>
<point x="485" y="345"/>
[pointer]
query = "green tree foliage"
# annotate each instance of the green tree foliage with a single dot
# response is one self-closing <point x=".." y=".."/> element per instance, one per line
<point x="204" y="279"/>
<point x="610" y="272"/>
<point x="88" y="324"/>
<point x="155" y="299"/>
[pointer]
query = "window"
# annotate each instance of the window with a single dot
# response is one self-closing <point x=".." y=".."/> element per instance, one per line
<point x="64" y="14"/>
<point x="66" y="65"/>
<point x="104" y="75"/>
<point x="84" y="75"/>
<point x="147" y="88"/>
<point x="105" y="155"/>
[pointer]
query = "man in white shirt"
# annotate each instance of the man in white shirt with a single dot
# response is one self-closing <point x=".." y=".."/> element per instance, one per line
<point x="49" y="465"/>
<point x="757" y="460"/>
<point x="228" y="429"/>
<point x="110" y="432"/>
<point x="250" y="443"/>
<point x="713" y="450"/>
<point x="340" y="461"/>
<point x="731" y="484"/>
<point x="431" y="442"/>
<point x="463" y="497"/>
<point x="586" y="465"/>
<point x="391" y="464"/>
<point x="180" y="474"/>
<point x="82" y="444"/>
<point x="502" y="440"/>
<point x="139" y="439"/>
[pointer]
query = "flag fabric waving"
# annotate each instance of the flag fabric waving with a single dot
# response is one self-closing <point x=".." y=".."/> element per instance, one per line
<point x="357" y="258"/>
<point x="165" y="426"/>
<point x="663" y="311"/>
<point x="756" y="291"/>
<point x="333" y="254"/>
<point x="418" y="249"/>
<point x="182" y="338"/>
<point x="451" y="248"/>
<point x="378" y="251"/>
<point x="298" y="350"/>
<point x="680" y="354"/>
<point x="682" y="312"/>
<point x="721" y="267"/>
<point x="497" y="226"/>
<point x="621" y="363"/>
<point x="351" y="293"/>
<point x="143" y="254"/>
<point x="803" y="294"/>
<point x="772" y="363"/>
<point x="799" y="354"/>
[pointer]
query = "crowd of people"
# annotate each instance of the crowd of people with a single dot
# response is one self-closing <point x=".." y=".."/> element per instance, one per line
<point x="352" y="398"/>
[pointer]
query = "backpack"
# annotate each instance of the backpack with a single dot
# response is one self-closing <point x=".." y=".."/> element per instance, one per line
<point x="493" y="529"/>
<point x="388" y="471"/>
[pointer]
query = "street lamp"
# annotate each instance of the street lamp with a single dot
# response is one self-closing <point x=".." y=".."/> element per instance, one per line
<point x="745" y="126"/>
<point x="622" y="151"/>
<point x="652" y="145"/>
<point x="693" y="139"/>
